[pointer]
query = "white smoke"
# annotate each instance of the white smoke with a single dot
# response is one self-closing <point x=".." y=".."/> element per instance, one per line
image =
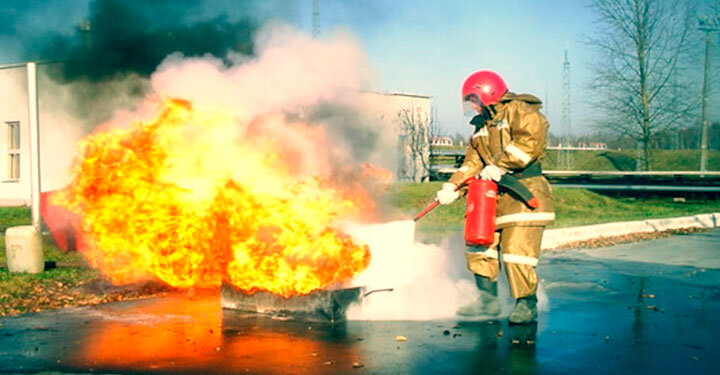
<point x="291" y="75"/>
<point x="418" y="273"/>
<point x="428" y="282"/>
<point x="291" y="71"/>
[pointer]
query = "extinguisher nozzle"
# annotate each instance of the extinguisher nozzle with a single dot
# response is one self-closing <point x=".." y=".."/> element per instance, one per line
<point x="533" y="203"/>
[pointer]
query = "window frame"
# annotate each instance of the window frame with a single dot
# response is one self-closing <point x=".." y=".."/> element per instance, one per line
<point x="13" y="150"/>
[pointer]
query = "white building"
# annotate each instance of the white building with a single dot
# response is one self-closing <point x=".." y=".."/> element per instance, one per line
<point x="14" y="138"/>
<point x="409" y="117"/>
<point x="441" y="141"/>
<point x="58" y="133"/>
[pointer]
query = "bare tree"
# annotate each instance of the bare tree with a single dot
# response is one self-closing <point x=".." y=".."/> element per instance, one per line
<point x="639" y="88"/>
<point x="436" y="128"/>
<point x="415" y="132"/>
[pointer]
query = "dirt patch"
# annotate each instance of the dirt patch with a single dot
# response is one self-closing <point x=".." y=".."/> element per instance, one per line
<point x="627" y="238"/>
<point x="36" y="295"/>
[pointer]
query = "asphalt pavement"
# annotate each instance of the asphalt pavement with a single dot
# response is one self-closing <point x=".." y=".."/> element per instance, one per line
<point x="644" y="308"/>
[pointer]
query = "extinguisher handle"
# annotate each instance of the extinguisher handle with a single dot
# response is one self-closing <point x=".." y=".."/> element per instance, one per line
<point x="434" y="204"/>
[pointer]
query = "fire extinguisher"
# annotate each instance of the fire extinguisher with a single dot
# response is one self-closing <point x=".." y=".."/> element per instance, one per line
<point x="482" y="206"/>
<point x="480" y="214"/>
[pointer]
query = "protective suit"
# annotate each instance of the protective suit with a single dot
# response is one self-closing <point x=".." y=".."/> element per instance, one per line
<point x="511" y="135"/>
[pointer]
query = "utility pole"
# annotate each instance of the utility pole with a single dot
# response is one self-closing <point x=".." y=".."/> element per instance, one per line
<point x="708" y="25"/>
<point x="33" y="123"/>
<point x="315" y="18"/>
<point x="547" y="100"/>
<point x="565" y="122"/>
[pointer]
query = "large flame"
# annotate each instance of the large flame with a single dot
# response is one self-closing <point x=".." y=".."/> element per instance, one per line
<point x="193" y="199"/>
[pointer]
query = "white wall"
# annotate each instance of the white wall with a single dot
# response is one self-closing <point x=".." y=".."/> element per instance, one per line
<point x="14" y="107"/>
<point x="387" y="107"/>
<point x="59" y="132"/>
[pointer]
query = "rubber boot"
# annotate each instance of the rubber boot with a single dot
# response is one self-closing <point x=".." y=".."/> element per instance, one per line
<point x="525" y="310"/>
<point x="486" y="304"/>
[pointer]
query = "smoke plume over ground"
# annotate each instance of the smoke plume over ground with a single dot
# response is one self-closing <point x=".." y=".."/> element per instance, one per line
<point x="428" y="281"/>
<point x="101" y="50"/>
<point x="121" y="37"/>
<point x="291" y="79"/>
<point x="421" y="275"/>
<point x="276" y="83"/>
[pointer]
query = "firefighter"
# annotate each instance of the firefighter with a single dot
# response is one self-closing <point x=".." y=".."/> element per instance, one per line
<point x="509" y="137"/>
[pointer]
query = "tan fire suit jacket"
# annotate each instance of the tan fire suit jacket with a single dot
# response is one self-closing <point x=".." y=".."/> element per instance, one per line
<point x="513" y="138"/>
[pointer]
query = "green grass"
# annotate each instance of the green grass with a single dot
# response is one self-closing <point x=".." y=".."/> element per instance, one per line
<point x="410" y="198"/>
<point x="582" y="207"/>
<point x="573" y="207"/>
<point x="613" y="160"/>
<point x="12" y="216"/>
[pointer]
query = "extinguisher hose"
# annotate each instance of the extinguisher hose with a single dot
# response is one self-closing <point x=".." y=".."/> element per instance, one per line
<point x="514" y="185"/>
<point x="435" y="203"/>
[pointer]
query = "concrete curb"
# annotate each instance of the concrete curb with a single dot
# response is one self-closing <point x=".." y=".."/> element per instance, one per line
<point x="553" y="238"/>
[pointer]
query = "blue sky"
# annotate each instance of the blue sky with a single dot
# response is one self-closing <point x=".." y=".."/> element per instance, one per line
<point x="429" y="47"/>
<point x="417" y="46"/>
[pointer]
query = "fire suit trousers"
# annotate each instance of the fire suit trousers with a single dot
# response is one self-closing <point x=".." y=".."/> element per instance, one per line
<point x="519" y="253"/>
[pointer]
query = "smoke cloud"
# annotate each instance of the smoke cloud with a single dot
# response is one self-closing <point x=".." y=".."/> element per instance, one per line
<point x="121" y="37"/>
<point x="293" y="80"/>
<point x="428" y="281"/>
<point x="422" y="276"/>
<point x="104" y="51"/>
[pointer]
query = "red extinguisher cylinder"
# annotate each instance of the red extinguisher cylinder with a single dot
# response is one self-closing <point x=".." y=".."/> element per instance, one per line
<point x="480" y="214"/>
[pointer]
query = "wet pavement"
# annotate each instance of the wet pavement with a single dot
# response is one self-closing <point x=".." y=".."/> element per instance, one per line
<point x="644" y="308"/>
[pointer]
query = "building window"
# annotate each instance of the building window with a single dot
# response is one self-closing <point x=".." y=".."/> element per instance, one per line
<point x="13" y="150"/>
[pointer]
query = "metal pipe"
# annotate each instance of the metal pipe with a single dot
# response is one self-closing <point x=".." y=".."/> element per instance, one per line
<point x="13" y="66"/>
<point x="626" y="187"/>
<point x="704" y="119"/>
<point x="34" y="143"/>
<point x="24" y="64"/>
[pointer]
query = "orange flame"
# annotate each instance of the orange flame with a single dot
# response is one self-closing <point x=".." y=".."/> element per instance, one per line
<point x="173" y="199"/>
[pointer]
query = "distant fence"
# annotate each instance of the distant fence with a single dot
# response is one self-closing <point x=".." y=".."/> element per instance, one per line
<point x="576" y="148"/>
<point x="653" y="181"/>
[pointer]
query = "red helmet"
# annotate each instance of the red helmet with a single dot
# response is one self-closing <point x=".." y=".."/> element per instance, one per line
<point x="488" y="87"/>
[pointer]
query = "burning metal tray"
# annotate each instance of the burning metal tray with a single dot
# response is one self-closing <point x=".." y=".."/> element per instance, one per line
<point x="325" y="305"/>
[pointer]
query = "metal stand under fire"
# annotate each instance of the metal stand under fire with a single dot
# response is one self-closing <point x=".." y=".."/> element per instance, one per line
<point x="321" y="305"/>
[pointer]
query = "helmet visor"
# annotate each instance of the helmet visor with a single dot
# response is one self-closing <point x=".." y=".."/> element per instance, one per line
<point x="471" y="105"/>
